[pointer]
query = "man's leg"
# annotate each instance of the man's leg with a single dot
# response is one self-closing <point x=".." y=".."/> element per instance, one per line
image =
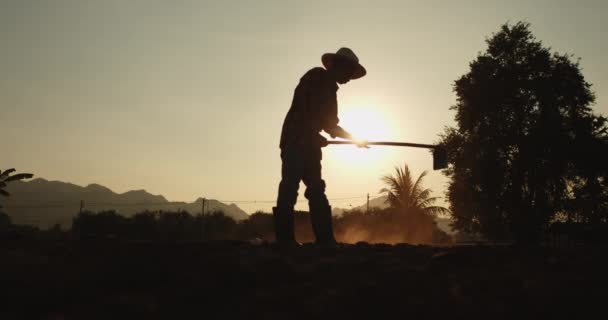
<point x="291" y="173"/>
<point x="320" y="210"/>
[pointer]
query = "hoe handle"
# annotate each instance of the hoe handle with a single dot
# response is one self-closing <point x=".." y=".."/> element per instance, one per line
<point x="386" y="143"/>
<point x="440" y="157"/>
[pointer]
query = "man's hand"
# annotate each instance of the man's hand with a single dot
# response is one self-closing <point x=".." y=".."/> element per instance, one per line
<point x="322" y="141"/>
<point x="361" y="144"/>
<point x="339" y="132"/>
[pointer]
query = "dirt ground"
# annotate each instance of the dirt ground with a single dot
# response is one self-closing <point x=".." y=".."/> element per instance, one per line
<point x="63" y="279"/>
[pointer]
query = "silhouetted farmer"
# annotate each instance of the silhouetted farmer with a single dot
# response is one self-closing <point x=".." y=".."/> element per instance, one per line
<point x="314" y="108"/>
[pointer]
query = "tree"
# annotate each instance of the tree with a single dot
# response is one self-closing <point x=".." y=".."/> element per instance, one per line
<point x="5" y="220"/>
<point x="103" y="224"/>
<point x="5" y="177"/>
<point x="524" y="132"/>
<point x="219" y="226"/>
<point x="408" y="196"/>
<point x="258" y="225"/>
<point x="409" y="218"/>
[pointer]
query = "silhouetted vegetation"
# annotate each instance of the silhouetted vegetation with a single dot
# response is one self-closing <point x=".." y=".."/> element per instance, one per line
<point x="410" y="217"/>
<point x="5" y="220"/>
<point x="7" y="229"/>
<point x="526" y="150"/>
<point x="407" y="195"/>
<point x="163" y="226"/>
<point x="10" y="231"/>
<point x="387" y="225"/>
<point x="5" y="224"/>
<point x="6" y="177"/>
<point x="390" y="225"/>
<point x="259" y="225"/>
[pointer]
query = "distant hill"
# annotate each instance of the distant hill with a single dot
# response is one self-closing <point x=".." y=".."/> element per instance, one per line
<point x="380" y="203"/>
<point x="44" y="203"/>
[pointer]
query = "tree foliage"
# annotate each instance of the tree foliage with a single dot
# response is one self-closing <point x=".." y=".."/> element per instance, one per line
<point x="526" y="148"/>
<point x="6" y="177"/>
<point x="408" y="195"/>
<point x="147" y="225"/>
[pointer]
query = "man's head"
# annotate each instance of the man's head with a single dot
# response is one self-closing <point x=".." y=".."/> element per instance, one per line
<point x="343" y="65"/>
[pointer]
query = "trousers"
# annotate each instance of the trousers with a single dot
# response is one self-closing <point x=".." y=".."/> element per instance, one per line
<point x="301" y="164"/>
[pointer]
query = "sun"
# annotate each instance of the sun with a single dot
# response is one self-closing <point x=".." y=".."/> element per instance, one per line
<point x="364" y="123"/>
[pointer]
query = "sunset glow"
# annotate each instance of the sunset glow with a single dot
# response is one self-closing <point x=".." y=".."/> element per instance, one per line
<point x="180" y="94"/>
<point x="364" y="122"/>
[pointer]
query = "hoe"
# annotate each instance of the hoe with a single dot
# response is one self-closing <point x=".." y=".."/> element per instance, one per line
<point x="440" y="157"/>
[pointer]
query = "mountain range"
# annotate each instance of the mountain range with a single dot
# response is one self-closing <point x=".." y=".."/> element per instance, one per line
<point x="44" y="203"/>
<point x="379" y="202"/>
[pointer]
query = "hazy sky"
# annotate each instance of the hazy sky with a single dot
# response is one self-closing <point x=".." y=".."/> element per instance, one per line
<point x="187" y="98"/>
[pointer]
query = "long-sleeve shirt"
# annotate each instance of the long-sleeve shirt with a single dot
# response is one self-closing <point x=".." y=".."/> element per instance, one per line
<point x="314" y="108"/>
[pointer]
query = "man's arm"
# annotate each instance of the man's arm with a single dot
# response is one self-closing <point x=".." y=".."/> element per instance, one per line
<point x="323" y="102"/>
<point x="337" y="131"/>
<point x="330" y="118"/>
<point x="331" y="124"/>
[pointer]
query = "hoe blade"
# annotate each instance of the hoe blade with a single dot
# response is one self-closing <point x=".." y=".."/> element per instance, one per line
<point x="440" y="158"/>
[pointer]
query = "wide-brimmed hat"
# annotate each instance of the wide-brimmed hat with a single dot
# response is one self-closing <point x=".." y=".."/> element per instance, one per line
<point x="349" y="55"/>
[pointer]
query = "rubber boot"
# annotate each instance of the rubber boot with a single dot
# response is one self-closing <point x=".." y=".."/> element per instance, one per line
<point x="284" y="227"/>
<point x="320" y="217"/>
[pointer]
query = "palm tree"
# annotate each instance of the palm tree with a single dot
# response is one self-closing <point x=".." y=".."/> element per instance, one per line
<point x="407" y="195"/>
<point x="5" y="177"/>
